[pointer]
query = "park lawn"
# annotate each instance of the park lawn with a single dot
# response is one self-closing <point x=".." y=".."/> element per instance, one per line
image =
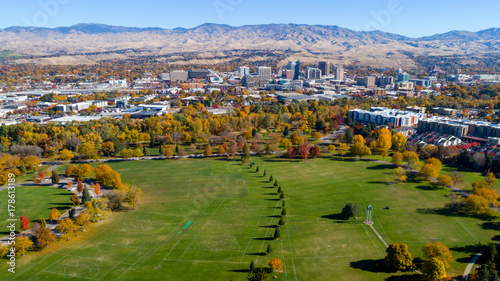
<point x="34" y="202"/>
<point x="234" y="211"/>
<point x="30" y="175"/>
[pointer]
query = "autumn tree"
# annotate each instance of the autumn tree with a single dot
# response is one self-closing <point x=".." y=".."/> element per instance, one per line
<point x="87" y="150"/>
<point x="398" y="141"/>
<point x="384" y="143"/>
<point x="411" y="158"/>
<point x="398" y="258"/>
<point x="97" y="209"/>
<point x="314" y="151"/>
<point x="66" y="155"/>
<point x="75" y="200"/>
<point x="66" y="226"/>
<point x="400" y="174"/>
<point x="208" y="151"/>
<point x="456" y="177"/>
<point x="55" y="177"/>
<point x="445" y="180"/>
<point x="489" y="194"/>
<point x="343" y="148"/>
<point x="397" y="159"/>
<point x="25" y="223"/>
<point x="276" y="264"/>
<point x="67" y="172"/>
<point x="433" y="270"/>
<point x="133" y="196"/>
<point x="22" y="244"/>
<point x="54" y="214"/>
<point x="108" y="148"/>
<point x="79" y="187"/>
<point x="108" y="176"/>
<point x="359" y="148"/>
<point x="97" y="189"/>
<point x="477" y="204"/>
<point x="429" y="171"/>
<point x="83" y="219"/>
<point x="438" y="250"/>
<point x="44" y="237"/>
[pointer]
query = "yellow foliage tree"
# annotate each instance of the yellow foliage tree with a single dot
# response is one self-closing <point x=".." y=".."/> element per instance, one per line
<point x="477" y="204"/>
<point x="276" y="264"/>
<point x="438" y="250"/>
<point x="398" y="141"/>
<point x="433" y="270"/>
<point x="400" y="174"/>
<point x="54" y="214"/>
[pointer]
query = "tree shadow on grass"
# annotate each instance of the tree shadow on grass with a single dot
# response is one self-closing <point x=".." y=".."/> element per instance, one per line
<point x="256" y="254"/>
<point x="264" y="239"/>
<point x="468" y="249"/>
<point x="272" y="199"/>
<point x="412" y="277"/>
<point x="491" y="225"/>
<point x="275" y="216"/>
<point x="239" y="270"/>
<point x="334" y="217"/>
<point x="268" y="226"/>
<point x="376" y="266"/>
<point x="452" y="213"/>
<point x="380" y="167"/>
<point x="271" y="193"/>
<point x="429" y="187"/>
<point x="380" y="182"/>
<point x="343" y="159"/>
<point x="496" y="238"/>
<point x="282" y="160"/>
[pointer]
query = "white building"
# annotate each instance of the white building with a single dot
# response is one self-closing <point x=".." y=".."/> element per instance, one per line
<point x="264" y="73"/>
<point x="244" y="71"/>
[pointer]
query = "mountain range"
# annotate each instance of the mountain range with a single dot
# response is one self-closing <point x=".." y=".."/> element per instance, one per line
<point x="312" y="41"/>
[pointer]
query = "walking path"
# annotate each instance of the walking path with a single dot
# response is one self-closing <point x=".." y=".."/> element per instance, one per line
<point x="53" y="224"/>
<point x="469" y="267"/>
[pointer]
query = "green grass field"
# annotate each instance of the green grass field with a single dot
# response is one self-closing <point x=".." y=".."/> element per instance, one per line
<point x="34" y="202"/>
<point x="234" y="211"/>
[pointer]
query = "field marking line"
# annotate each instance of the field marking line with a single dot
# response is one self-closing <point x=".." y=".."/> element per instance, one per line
<point x="291" y="252"/>
<point x="468" y="231"/>
<point x="271" y="221"/>
<point x="131" y="253"/>
<point x="207" y="261"/>
<point x="256" y="227"/>
<point x="202" y="228"/>
<point x="44" y="269"/>
<point x="184" y="234"/>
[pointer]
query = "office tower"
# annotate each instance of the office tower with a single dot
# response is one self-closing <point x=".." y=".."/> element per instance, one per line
<point x="264" y="73"/>
<point x="244" y="71"/>
<point x="325" y="67"/>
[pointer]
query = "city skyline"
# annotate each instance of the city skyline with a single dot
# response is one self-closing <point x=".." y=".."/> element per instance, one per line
<point x="404" y="17"/>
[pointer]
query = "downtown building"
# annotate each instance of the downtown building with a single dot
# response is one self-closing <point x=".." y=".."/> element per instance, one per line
<point x="461" y="128"/>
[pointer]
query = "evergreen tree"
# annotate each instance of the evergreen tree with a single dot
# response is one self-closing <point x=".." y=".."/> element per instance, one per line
<point x="282" y="221"/>
<point x="279" y="189"/>
<point x="71" y="213"/>
<point x="275" y="183"/>
<point x="257" y="169"/>
<point x="283" y="205"/>
<point x="286" y="132"/>
<point x="162" y="150"/>
<point x="22" y="170"/>
<point x="282" y="196"/>
<point x="55" y="177"/>
<point x="268" y="250"/>
<point x="264" y="172"/>
<point x="145" y="151"/>
<point x="277" y="233"/>
<point x="252" y="265"/>
<point x="283" y="212"/>
<point x="86" y="196"/>
<point x="271" y="178"/>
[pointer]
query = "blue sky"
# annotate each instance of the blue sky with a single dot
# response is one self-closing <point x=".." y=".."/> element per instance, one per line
<point x="413" y="18"/>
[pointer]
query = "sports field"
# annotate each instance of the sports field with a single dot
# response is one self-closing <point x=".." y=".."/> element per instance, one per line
<point x="206" y="219"/>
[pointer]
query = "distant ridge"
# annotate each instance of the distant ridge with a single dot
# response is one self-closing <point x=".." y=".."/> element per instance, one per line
<point x="314" y="41"/>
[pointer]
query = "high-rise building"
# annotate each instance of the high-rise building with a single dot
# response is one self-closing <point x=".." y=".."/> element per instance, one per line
<point x="296" y="76"/>
<point x="313" y="73"/>
<point x="244" y="71"/>
<point x="368" y="81"/>
<point x="264" y="73"/>
<point x="291" y="65"/>
<point x="325" y="67"/>
<point x="403" y="77"/>
<point x="339" y="73"/>
<point x="178" y="75"/>
<point x="288" y="74"/>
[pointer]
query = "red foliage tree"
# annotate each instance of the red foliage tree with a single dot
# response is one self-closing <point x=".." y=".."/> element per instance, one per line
<point x="67" y="172"/>
<point x="97" y="189"/>
<point x="314" y="151"/>
<point x="41" y="175"/>
<point x="25" y="223"/>
<point x="290" y="153"/>
<point x="79" y="187"/>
